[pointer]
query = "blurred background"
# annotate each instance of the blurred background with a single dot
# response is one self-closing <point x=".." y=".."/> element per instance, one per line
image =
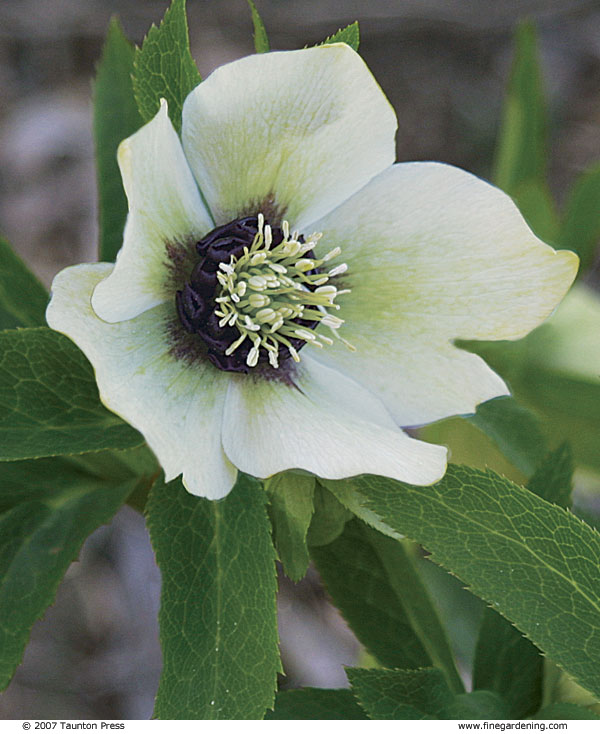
<point x="442" y="63"/>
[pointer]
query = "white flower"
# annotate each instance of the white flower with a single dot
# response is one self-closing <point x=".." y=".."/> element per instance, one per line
<point x="429" y="254"/>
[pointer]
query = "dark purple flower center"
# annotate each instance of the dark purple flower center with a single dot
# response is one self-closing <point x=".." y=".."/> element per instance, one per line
<point x="196" y="303"/>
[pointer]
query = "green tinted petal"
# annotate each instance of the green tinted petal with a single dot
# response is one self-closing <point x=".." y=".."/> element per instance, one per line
<point x="324" y="423"/>
<point x="164" y="208"/>
<point x="291" y="134"/>
<point x="176" y="406"/>
<point x="436" y="254"/>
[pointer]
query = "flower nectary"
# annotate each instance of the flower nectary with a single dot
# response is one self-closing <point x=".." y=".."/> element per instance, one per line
<point x="257" y="294"/>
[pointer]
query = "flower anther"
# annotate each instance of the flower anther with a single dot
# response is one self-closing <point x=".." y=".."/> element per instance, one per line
<point x="257" y="293"/>
<point x="288" y="297"/>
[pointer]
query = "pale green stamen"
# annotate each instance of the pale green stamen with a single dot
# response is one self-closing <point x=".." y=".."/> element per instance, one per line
<point x="267" y="288"/>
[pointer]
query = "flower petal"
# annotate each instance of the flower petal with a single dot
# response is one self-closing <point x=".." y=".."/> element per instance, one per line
<point x="177" y="408"/>
<point x="324" y="423"/>
<point x="436" y="254"/>
<point x="291" y="134"/>
<point x="164" y="207"/>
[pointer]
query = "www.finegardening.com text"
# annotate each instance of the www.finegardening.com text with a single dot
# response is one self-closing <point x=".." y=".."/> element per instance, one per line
<point x="513" y="725"/>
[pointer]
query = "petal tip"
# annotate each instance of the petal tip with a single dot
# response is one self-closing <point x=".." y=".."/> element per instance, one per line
<point x="214" y="492"/>
<point x="571" y="263"/>
<point x="433" y="466"/>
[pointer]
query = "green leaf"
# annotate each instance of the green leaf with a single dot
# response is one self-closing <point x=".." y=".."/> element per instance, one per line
<point x="25" y="481"/>
<point x="460" y="611"/>
<point x="476" y="705"/>
<point x="115" y="117"/>
<point x="399" y="558"/>
<point x="553" y="480"/>
<point x="164" y="67"/>
<point x="218" y="622"/>
<point x="515" y="430"/>
<point x="521" y="153"/>
<point x="291" y="509"/>
<point x="559" y="687"/>
<point x="261" y="41"/>
<point x="419" y="694"/>
<point x="332" y="512"/>
<point x="580" y="229"/>
<point x="361" y="589"/>
<point x="554" y="372"/>
<point x="328" y="519"/>
<point x="508" y="663"/>
<point x="400" y="694"/>
<point x="350" y="35"/>
<point x="49" y="507"/>
<point x="23" y="299"/>
<point x="537" y="564"/>
<point x="538" y="208"/>
<point x="505" y="661"/>
<point x="568" y="711"/>
<point x="316" y="703"/>
<point x="571" y="405"/>
<point x="521" y="160"/>
<point x="49" y="402"/>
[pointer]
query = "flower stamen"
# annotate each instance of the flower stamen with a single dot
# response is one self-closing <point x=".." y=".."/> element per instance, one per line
<point x="260" y="290"/>
<point x="288" y="296"/>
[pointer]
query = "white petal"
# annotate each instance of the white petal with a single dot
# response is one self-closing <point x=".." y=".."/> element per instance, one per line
<point x="436" y="254"/>
<point x="177" y="408"/>
<point x="164" y="208"/>
<point x="324" y="423"/>
<point x="299" y="129"/>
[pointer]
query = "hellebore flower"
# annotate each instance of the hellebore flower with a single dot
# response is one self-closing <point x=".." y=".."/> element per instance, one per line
<point x="286" y="297"/>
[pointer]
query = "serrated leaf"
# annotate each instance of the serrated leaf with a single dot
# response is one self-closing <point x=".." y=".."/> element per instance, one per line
<point x="218" y="622"/>
<point x="400" y="694"/>
<point x="49" y="402"/>
<point x="261" y="41"/>
<point x="332" y="512"/>
<point x="580" y="230"/>
<point x="515" y="430"/>
<point x="291" y="509"/>
<point x="116" y="117"/>
<point x="164" y="67"/>
<point x="505" y="661"/>
<point x="521" y="153"/>
<point x="553" y="480"/>
<point x="360" y="588"/>
<point x="56" y="504"/>
<point x="316" y="703"/>
<point x="533" y="561"/>
<point x="350" y="35"/>
<point x="23" y="299"/>
<point x="508" y="663"/>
